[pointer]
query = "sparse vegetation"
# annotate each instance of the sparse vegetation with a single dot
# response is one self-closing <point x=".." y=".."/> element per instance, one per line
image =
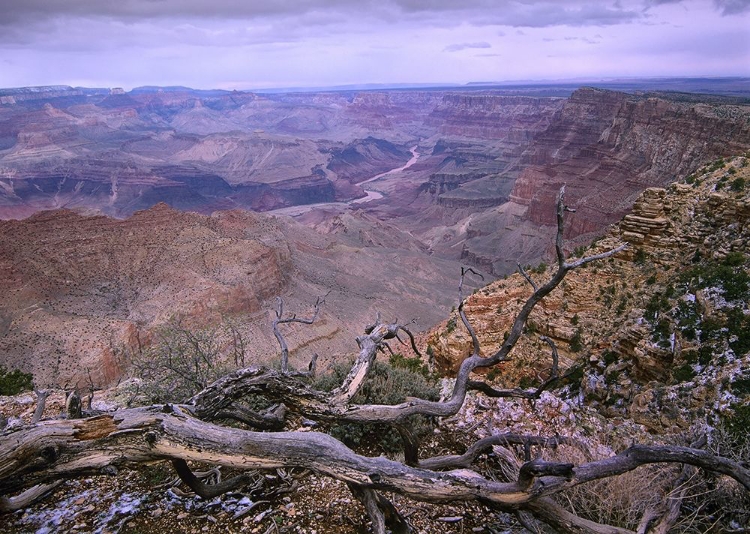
<point x="576" y="342"/>
<point x="182" y="361"/>
<point x="738" y="185"/>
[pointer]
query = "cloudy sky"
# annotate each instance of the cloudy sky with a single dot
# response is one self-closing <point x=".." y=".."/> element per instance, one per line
<point x="244" y="44"/>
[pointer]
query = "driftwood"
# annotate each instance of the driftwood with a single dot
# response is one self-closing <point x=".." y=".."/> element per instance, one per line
<point x="35" y="458"/>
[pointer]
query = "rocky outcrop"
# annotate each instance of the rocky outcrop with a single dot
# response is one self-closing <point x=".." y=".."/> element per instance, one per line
<point x="631" y="322"/>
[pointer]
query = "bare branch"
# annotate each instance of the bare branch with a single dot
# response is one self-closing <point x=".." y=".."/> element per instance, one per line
<point x="410" y="445"/>
<point x="369" y="345"/>
<point x="369" y="500"/>
<point x="474" y="339"/>
<point x="280" y="319"/>
<point x="531" y="470"/>
<point x="486" y="444"/>
<point x="273" y="419"/>
<point x="208" y="491"/>
<point x="527" y="277"/>
<point x="27" y="498"/>
<point x="527" y="521"/>
<point x="554" y="373"/>
<point x="639" y="455"/>
<point x="411" y="339"/>
<point x="529" y="394"/>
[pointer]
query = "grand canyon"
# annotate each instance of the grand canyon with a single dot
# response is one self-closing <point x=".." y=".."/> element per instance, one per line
<point x="292" y="193"/>
<point x="124" y="212"/>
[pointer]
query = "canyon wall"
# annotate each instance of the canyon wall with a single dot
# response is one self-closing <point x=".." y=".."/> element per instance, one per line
<point x="606" y="148"/>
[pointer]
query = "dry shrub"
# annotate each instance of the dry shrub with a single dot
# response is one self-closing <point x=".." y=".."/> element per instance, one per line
<point x="711" y="503"/>
<point x="621" y="500"/>
<point x="181" y="361"/>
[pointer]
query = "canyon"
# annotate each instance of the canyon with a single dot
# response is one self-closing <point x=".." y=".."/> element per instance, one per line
<point x="127" y="214"/>
<point x="126" y="209"/>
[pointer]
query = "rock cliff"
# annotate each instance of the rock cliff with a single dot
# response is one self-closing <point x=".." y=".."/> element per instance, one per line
<point x="607" y="147"/>
<point x="660" y="332"/>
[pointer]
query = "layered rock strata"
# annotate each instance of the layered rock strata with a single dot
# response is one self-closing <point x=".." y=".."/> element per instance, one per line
<point x="625" y="320"/>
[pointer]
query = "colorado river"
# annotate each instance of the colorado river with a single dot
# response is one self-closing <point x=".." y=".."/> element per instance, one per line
<point x="412" y="161"/>
<point x="371" y="194"/>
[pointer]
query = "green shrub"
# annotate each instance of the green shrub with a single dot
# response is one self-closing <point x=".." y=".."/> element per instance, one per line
<point x="657" y="303"/>
<point x="640" y="256"/>
<point x="729" y="275"/>
<point x="14" y="382"/>
<point x="451" y="325"/>
<point x="413" y="365"/>
<point x="576" y="342"/>
<point x="385" y="384"/>
<point x="528" y="382"/>
<point x="738" y="331"/>
<point x="609" y="357"/>
<point x="736" y="424"/>
<point x="684" y="373"/>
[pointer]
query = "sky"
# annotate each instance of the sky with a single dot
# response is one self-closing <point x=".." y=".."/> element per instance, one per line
<point x="247" y="44"/>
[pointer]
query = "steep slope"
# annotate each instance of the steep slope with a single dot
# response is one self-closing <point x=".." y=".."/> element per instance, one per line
<point x="661" y="332"/>
<point x="73" y="289"/>
<point x="606" y="147"/>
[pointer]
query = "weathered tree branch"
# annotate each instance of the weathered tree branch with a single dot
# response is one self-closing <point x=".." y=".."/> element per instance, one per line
<point x="527" y="277"/>
<point x="207" y="491"/>
<point x="280" y="319"/>
<point x="270" y="420"/>
<point x="484" y="445"/>
<point x="27" y="498"/>
<point x="53" y="450"/>
<point x="41" y="400"/>
<point x="462" y="314"/>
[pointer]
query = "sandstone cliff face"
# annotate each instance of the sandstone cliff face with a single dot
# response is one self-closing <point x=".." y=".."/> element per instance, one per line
<point x="607" y="147"/>
<point x="659" y="338"/>
<point x="75" y="289"/>
<point x="515" y="119"/>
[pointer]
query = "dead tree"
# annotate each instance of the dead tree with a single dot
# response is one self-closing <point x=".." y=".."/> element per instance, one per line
<point x="33" y="459"/>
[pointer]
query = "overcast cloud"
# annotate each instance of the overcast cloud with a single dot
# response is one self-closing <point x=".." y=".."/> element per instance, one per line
<point x="271" y="43"/>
